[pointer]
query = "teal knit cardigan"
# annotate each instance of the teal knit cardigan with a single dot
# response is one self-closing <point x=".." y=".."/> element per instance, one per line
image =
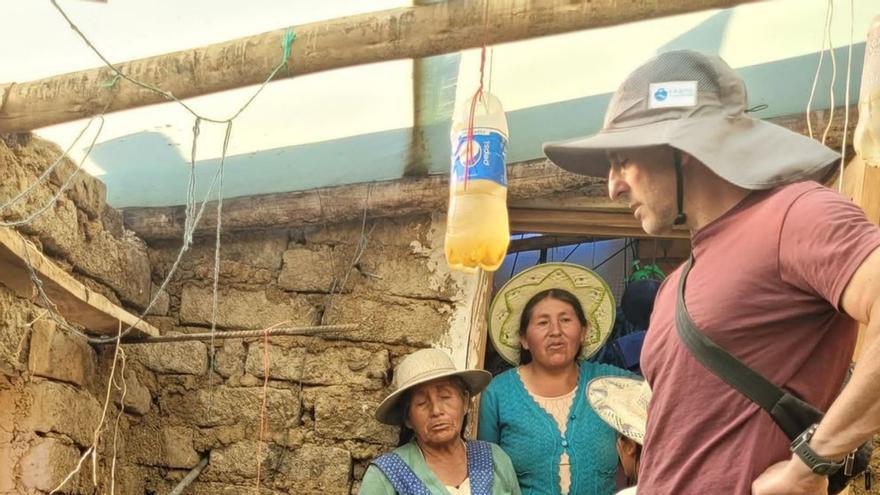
<point x="511" y="418"/>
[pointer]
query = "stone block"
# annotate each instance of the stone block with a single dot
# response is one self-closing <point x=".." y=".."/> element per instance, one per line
<point x="332" y="366"/>
<point x="57" y="355"/>
<point x="229" y="359"/>
<point x="261" y="249"/>
<point x="233" y="406"/>
<point x="201" y="488"/>
<point x="284" y="364"/>
<point x="88" y="194"/>
<point x="112" y="221"/>
<point x="237" y="461"/>
<point x="245" y="309"/>
<point x="391" y="320"/>
<point x="343" y="414"/>
<point x="121" y="264"/>
<point x="347" y="366"/>
<point x="309" y="270"/>
<point x="187" y="358"/>
<point x="208" y="439"/>
<point x="162" y="302"/>
<point x="143" y="444"/>
<point x="399" y="231"/>
<point x="59" y="408"/>
<point x="8" y="459"/>
<point x="251" y="258"/>
<point x="47" y="463"/>
<point x="316" y="469"/>
<point x="177" y="447"/>
<point x="13" y="332"/>
<point x="137" y="398"/>
<point x="406" y="272"/>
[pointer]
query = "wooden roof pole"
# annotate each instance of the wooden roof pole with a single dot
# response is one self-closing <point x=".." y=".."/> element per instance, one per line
<point x="408" y="32"/>
<point x="527" y="180"/>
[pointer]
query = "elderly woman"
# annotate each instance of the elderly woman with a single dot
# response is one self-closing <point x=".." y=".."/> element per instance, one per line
<point x="623" y="404"/>
<point x="430" y="401"/>
<point x="547" y="320"/>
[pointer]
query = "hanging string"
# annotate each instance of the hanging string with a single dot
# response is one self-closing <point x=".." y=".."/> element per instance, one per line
<point x="67" y="183"/>
<point x="216" y="284"/>
<point x="42" y="178"/>
<point x="829" y="14"/>
<point x="833" y="71"/>
<point x="846" y="103"/>
<point x="264" y="421"/>
<point x="93" y="448"/>
<point x="470" y="158"/>
<point x="286" y="43"/>
<point x="192" y="217"/>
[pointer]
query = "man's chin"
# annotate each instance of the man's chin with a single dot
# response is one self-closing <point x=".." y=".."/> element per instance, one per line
<point x="656" y="228"/>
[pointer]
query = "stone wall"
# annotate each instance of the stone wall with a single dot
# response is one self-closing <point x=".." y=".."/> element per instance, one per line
<point x="53" y="384"/>
<point x="321" y="390"/>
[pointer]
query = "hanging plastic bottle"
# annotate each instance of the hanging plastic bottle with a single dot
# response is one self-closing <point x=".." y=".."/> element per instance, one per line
<point x="477" y="229"/>
<point x="866" y="139"/>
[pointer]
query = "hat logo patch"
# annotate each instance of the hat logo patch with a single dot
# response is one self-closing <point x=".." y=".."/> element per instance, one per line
<point x="672" y="94"/>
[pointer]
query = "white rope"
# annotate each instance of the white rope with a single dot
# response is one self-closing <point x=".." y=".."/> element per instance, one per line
<point x="846" y="98"/>
<point x="833" y="71"/>
<point x="828" y="14"/>
<point x="92" y="450"/>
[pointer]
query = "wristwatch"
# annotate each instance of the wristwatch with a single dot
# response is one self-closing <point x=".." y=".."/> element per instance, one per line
<point x="817" y="464"/>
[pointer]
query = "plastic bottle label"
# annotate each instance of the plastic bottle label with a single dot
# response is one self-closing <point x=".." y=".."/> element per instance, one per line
<point x="488" y="155"/>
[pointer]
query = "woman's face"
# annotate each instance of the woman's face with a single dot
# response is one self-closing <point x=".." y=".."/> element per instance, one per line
<point x="554" y="334"/>
<point x="627" y="451"/>
<point x="436" y="412"/>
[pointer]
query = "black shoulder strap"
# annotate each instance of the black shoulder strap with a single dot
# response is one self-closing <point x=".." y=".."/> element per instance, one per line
<point x="730" y="369"/>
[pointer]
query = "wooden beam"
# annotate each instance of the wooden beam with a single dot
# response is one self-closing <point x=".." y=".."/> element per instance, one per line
<point x="545" y="242"/>
<point x="478" y="333"/>
<point x="819" y="120"/>
<point x="343" y="203"/>
<point x="74" y="302"/>
<point x="536" y="184"/>
<point x="584" y="223"/>
<point x="407" y="32"/>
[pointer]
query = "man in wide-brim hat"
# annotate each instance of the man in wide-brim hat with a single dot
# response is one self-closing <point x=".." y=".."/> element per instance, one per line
<point x="783" y="270"/>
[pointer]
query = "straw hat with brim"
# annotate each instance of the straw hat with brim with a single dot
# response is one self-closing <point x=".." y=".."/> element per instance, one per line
<point x="697" y="104"/>
<point x="621" y="402"/>
<point x="420" y="367"/>
<point x="593" y="293"/>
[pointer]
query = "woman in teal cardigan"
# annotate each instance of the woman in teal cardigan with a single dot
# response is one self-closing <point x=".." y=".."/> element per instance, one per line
<point x="537" y="412"/>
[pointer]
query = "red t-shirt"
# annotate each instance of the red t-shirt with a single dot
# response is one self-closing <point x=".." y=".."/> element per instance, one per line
<point x="766" y="285"/>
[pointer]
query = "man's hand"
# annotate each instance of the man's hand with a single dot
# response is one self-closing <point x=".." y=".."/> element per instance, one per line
<point x="791" y="477"/>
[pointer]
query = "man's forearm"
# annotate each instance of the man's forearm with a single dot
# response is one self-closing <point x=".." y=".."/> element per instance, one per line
<point x="855" y="414"/>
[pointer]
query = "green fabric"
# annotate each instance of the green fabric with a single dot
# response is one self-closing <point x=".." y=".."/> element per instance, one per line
<point x="375" y="482"/>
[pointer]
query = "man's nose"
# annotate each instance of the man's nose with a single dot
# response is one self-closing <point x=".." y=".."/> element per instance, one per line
<point x="616" y="185"/>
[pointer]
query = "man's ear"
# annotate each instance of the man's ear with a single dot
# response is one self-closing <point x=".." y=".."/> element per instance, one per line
<point x="688" y="160"/>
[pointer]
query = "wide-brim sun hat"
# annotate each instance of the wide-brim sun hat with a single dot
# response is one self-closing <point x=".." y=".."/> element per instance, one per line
<point x="586" y="285"/>
<point x="697" y="104"/>
<point x="622" y="402"/>
<point x="421" y="367"/>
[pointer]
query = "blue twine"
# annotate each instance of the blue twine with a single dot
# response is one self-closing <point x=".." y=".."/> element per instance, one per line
<point x="286" y="43"/>
<point x="109" y="83"/>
